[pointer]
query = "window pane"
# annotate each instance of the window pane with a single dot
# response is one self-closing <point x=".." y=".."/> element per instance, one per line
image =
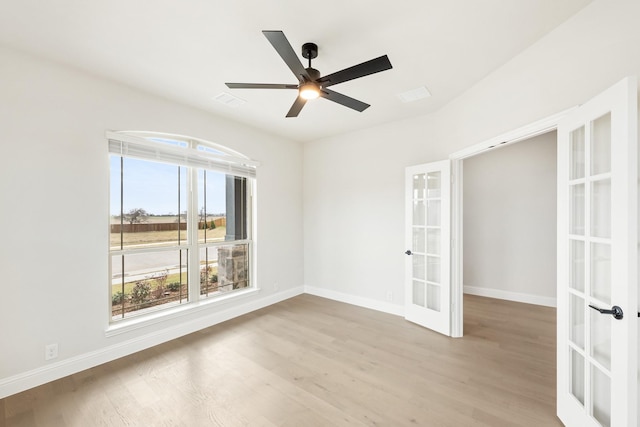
<point x="224" y="268"/>
<point x="150" y="280"/>
<point x="212" y="206"/>
<point x="148" y="203"/>
<point x="236" y="197"/>
<point x="209" y="283"/>
<point x="210" y="150"/>
<point x="233" y="267"/>
<point x="115" y="205"/>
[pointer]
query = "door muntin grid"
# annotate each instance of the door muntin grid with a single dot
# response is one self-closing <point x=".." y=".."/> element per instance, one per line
<point x="426" y="243"/>
<point x="590" y="267"/>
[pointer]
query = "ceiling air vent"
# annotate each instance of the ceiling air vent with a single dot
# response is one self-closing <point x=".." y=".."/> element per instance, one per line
<point x="414" y="94"/>
<point x="229" y="100"/>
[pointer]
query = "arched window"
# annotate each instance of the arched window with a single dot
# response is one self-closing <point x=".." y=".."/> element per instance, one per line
<point x="180" y="221"/>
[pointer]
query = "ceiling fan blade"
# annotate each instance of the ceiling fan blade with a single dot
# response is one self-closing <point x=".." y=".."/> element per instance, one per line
<point x="286" y="52"/>
<point x="344" y="100"/>
<point x="296" y="107"/>
<point x="260" y="86"/>
<point x="370" y="67"/>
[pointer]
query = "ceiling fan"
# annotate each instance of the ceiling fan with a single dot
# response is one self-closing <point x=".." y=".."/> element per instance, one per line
<point x="310" y="84"/>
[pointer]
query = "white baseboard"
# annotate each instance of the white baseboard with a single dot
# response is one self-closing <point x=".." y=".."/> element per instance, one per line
<point x="510" y="296"/>
<point x="385" y="307"/>
<point x="26" y="380"/>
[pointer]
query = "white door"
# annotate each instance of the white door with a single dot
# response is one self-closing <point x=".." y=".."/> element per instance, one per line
<point x="597" y="261"/>
<point x="427" y="284"/>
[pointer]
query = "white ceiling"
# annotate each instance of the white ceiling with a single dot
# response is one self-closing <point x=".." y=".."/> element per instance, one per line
<point x="186" y="50"/>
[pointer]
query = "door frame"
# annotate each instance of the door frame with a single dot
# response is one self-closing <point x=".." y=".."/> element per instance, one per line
<point x="539" y="127"/>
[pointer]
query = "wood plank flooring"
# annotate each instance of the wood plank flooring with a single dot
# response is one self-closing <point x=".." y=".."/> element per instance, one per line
<point x="309" y="361"/>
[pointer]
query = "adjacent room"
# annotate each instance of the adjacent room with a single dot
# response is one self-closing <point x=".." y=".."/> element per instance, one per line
<point x="510" y="221"/>
<point x="193" y="239"/>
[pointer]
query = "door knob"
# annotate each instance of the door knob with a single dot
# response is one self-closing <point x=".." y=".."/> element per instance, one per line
<point x="408" y="252"/>
<point x="615" y="311"/>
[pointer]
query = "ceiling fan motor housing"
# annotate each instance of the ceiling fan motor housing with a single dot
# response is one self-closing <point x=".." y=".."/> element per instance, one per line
<point x="313" y="73"/>
<point x="309" y="50"/>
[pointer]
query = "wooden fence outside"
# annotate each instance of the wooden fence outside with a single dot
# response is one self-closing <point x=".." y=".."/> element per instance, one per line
<point x="162" y="226"/>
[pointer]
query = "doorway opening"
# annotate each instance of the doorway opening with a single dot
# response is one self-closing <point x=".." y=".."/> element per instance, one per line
<point x="509" y="221"/>
<point x="544" y="128"/>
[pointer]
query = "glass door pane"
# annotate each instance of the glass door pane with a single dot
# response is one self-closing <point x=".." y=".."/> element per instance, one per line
<point x="601" y="145"/>
<point x="576" y="316"/>
<point x="433" y="184"/>
<point x="426" y="222"/>
<point x="576" y="154"/>
<point x="433" y="297"/>
<point x="600" y="283"/>
<point x="576" y="220"/>
<point x="576" y="264"/>
<point x="601" y="397"/>
<point x="576" y="372"/>
<point x="601" y="208"/>
<point x="433" y="241"/>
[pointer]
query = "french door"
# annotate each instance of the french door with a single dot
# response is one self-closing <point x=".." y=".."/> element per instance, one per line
<point x="427" y="283"/>
<point x="597" y="350"/>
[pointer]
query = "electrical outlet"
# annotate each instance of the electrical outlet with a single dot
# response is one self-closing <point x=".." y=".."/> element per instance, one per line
<point x="50" y="351"/>
<point x="389" y="296"/>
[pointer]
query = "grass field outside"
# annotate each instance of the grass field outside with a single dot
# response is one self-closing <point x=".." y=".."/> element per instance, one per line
<point x="163" y="238"/>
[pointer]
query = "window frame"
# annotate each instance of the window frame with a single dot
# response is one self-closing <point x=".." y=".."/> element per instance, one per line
<point x="194" y="154"/>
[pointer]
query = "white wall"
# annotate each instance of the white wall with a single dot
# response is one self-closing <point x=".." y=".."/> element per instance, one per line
<point x="510" y="221"/>
<point x="54" y="175"/>
<point x="353" y="184"/>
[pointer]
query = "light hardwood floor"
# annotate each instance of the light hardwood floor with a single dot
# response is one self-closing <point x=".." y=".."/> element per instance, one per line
<point x="309" y="361"/>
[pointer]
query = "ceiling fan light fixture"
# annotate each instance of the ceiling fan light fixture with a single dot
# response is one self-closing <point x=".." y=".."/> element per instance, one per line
<point x="309" y="90"/>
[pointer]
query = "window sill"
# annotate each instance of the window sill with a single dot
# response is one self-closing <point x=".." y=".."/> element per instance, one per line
<point x="164" y="315"/>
